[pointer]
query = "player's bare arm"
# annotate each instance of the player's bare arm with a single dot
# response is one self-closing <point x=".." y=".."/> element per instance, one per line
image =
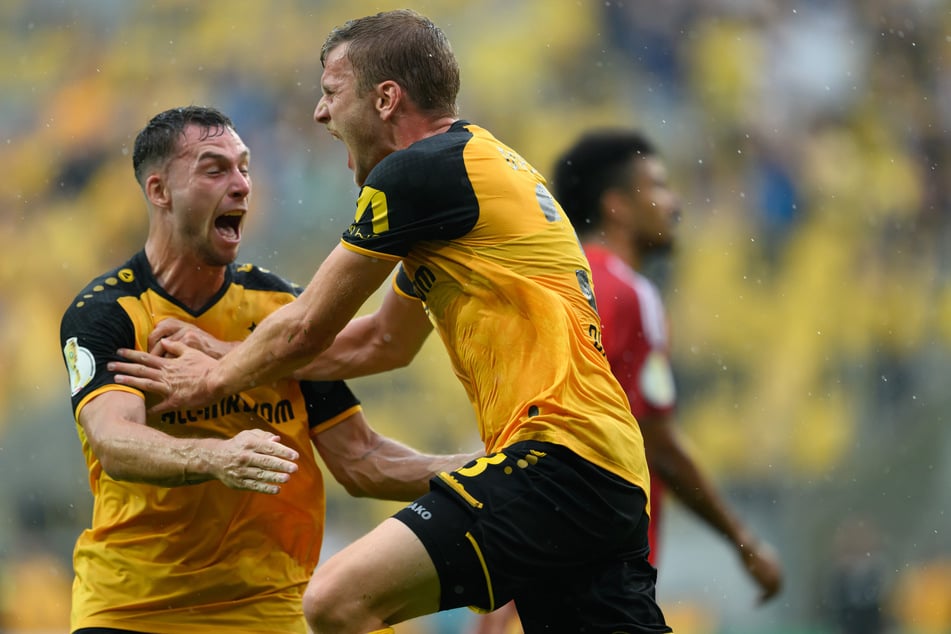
<point x="287" y="339"/>
<point x="128" y="449"/>
<point x="385" y="340"/>
<point x="670" y="457"/>
<point x="369" y="464"/>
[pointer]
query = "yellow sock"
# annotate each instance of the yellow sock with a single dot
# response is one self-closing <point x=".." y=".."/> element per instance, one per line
<point x="385" y="630"/>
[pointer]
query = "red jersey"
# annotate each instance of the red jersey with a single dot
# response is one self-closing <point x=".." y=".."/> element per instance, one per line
<point x="634" y="334"/>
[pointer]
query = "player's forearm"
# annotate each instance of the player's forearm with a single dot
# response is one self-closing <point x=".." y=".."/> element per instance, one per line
<point x="669" y="458"/>
<point x="295" y="334"/>
<point x="695" y="490"/>
<point x="143" y="454"/>
<point x="279" y="345"/>
<point x="393" y="471"/>
<point x="387" y="339"/>
<point x="365" y="346"/>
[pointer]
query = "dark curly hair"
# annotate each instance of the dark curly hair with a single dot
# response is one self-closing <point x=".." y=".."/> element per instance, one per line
<point x="595" y="163"/>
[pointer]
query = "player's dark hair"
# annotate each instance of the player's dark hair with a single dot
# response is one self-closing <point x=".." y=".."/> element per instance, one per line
<point x="158" y="140"/>
<point x="405" y="47"/>
<point x="598" y="161"/>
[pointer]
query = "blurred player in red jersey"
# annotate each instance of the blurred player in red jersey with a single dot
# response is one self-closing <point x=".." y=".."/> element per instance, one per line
<point x="614" y="188"/>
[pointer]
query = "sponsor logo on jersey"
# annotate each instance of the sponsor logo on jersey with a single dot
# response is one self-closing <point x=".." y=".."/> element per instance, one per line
<point x="279" y="412"/>
<point x="423" y="280"/>
<point x="547" y="203"/>
<point x="371" y="205"/>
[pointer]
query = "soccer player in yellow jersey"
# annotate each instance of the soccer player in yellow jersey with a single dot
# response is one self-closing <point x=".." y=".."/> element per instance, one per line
<point x="206" y="519"/>
<point x="613" y="185"/>
<point x="556" y="515"/>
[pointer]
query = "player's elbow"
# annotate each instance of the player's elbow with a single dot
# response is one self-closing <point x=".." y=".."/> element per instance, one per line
<point x="395" y="357"/>
<point x="109" y="459"/>
<point x="373" y="483"/>
<point x="397" y="351"/>
<point x="114" y="468"/>
<point x="354" y="485"/>
<point x="120" y="470"/>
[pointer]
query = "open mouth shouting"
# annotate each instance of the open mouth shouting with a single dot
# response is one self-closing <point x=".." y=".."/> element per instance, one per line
<point x="228" y="226"/>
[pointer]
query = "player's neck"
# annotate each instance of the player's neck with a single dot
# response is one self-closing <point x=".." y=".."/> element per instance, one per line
<point x="626" y="250"/>
<point x="416" y="127"/>
<point x="187" y="279"/>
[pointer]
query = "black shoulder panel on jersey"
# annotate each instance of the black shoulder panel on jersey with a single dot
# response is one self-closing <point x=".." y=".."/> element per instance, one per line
<point x="419" y="193"/>
<point x="96" y="325"/>
<point x="132" y="278"/>
<point x="256" y="278"/>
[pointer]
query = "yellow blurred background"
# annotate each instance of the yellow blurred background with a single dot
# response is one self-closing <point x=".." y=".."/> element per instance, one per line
<point x="809" y="296"/>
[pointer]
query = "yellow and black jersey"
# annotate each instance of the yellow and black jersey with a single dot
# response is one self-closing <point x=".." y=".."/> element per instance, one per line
<point x="199" y="558"/>
<point x="491" y="254"/>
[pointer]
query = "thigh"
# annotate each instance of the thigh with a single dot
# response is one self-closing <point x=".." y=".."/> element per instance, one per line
<point x="385" y="573"/>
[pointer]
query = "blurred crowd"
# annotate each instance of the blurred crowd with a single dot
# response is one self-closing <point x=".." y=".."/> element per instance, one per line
<point x="810" y="299"/>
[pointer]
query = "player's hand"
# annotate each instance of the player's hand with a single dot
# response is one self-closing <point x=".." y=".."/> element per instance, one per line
<point x="172" y="329"/>
<point x="762" y="564"/>
<point x="179" y="378"/>
<point x="254" y="460"/>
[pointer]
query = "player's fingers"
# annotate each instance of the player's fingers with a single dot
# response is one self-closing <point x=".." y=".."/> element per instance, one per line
<point x="263" y="480"/>
<point x="156" y="349"/>
<point x="140" y="377"/>
<point x="276" y="475"/>
<point x="163" y="406"/>
<point x="274" y="448"/>
<point x="253" y="484"/>
<point x="141" y="358"/>
<point x="133" y="370"/>
<point x="165" y="328"/>
<point x="275" y="464"/>
<point x="175" y="348"/>
<point x="155" y="340"/>
<point x="146" y="385"/>
<point x="769" y="579"/>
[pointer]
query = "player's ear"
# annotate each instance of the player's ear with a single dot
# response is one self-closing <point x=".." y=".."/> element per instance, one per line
<point x="613" y="200"/>
<point x="389" y="95"/>
<point x="156" y="190"/>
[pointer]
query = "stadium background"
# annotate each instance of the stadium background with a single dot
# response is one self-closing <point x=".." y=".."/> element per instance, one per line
<point x="810" y="298"/>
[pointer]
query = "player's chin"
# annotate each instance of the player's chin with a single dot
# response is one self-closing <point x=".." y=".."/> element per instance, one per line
<point x="224" y="252"/>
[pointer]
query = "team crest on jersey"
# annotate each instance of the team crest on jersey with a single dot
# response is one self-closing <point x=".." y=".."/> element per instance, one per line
<point x="80" y="363"/>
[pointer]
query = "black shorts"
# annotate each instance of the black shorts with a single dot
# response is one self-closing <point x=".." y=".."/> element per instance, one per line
<point x="564" y="538"/>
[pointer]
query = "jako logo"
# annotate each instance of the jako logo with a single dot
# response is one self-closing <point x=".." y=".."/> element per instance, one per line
<point x="420" y="510"/>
